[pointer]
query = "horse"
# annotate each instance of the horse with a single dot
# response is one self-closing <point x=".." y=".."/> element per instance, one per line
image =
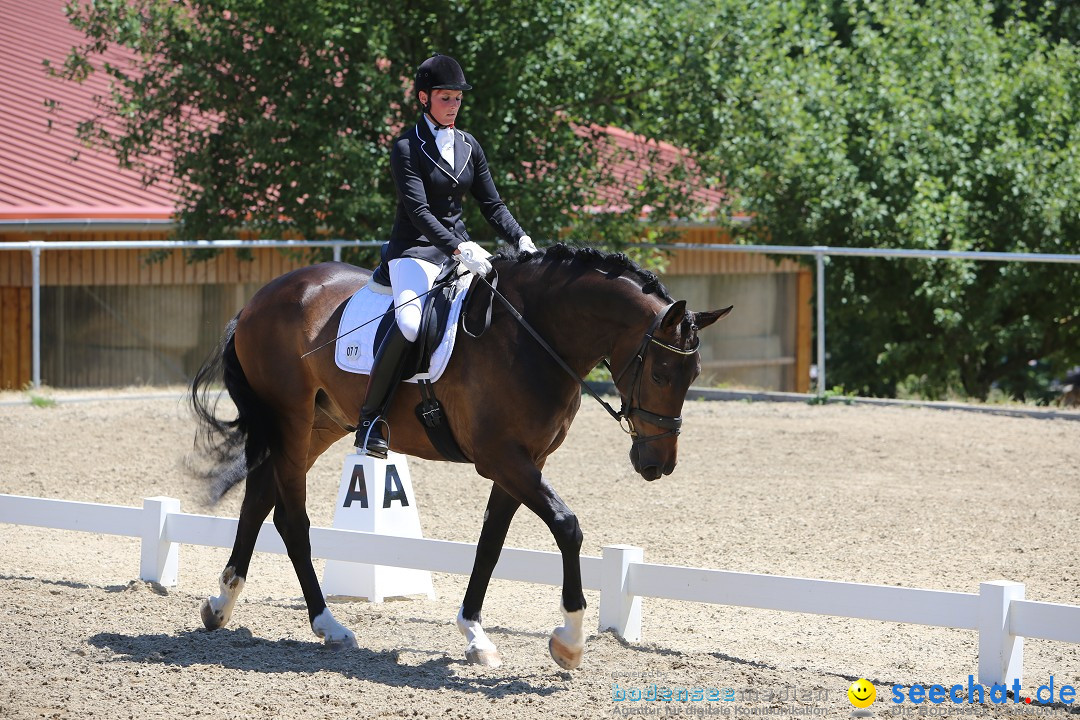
<point x="292" y="404"/>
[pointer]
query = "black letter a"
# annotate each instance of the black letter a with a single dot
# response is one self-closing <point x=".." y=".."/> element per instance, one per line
<point x="357" y="488"/>
<point x="394" y="489"/>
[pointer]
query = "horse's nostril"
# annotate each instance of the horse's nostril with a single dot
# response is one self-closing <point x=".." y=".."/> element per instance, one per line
<point x="650" y="472"/>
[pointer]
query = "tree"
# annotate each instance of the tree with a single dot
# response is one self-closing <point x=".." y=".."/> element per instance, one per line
<point x="279" y="114"/>
<point x="918" y="126"/>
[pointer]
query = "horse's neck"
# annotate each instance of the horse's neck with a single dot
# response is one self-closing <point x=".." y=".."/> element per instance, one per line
<point x="583" y="319"/>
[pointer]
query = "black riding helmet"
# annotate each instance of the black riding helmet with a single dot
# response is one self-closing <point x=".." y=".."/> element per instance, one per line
<point x="440" y="72"/>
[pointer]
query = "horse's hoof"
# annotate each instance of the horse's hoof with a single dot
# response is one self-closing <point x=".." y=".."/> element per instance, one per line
<point x="566" y="658"/>
<point x="211" y="619"/>
<point x="487" y="658"/>
<point x="344" y="643"/>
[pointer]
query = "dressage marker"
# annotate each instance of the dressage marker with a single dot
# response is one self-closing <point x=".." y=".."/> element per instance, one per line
<point x="376" y="496"/>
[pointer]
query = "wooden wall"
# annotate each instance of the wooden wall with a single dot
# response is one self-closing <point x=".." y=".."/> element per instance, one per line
<point x="86" y="268"/>
<point x="134" y="267"/>
<point x="15" y="348"/>
<point x="707" y="263"/>
<point x="91" y="268"/>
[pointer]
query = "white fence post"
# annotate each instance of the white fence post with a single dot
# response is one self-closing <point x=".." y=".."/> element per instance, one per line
<point x="1001" y="654"/>
<point x="619" y="610"/>
<point x="159" y="561"/>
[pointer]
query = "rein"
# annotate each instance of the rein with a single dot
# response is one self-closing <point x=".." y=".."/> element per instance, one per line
<point x="671" y="425"/>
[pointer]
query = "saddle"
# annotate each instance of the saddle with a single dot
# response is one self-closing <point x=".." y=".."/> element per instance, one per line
<point x="368" y="315"/>
<point x="438" y="309"/>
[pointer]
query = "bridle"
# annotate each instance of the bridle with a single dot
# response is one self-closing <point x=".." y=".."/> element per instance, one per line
<point x="630" y="410"/>
<point x="631" y="407"/>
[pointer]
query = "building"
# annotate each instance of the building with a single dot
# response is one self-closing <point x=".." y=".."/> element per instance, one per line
<point x="109" y="317"/>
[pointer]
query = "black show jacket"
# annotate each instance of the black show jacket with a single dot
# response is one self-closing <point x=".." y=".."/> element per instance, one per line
<point x="428" y="224"/>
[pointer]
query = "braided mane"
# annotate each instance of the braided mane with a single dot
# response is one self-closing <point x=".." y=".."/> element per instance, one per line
<point x="617" y="262"/>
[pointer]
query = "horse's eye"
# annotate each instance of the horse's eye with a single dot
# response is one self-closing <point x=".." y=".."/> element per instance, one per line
<point x="659" y="379"/>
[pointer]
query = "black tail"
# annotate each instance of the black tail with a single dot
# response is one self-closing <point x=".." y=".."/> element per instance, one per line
<point x="237" y="446"/>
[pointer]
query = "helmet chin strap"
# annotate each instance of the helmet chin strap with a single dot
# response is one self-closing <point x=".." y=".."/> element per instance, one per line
<point x="436" y="123"/>
<point x="427" y="111"/>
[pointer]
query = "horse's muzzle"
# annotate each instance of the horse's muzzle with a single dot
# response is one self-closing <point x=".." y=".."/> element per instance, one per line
<point x="650" y="468"/>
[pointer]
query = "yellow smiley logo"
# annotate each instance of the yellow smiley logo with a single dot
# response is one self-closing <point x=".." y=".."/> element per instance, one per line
<point x="862" y="693"/>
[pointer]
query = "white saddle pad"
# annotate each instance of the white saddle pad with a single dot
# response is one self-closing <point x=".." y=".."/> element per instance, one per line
<point x="354" y="350"/>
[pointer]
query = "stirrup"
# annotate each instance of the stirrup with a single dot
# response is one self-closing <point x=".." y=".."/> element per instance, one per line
<point x="365" y="448"/>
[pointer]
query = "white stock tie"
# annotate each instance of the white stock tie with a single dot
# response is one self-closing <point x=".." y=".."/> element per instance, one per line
<point x="444" y="139"/>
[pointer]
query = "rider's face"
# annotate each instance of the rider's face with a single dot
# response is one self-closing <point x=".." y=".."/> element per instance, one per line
<point x="445" y="105"/>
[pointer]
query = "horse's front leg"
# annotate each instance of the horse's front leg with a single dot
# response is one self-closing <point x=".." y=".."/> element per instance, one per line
<point x="500" y="511"/>
<point x="567" y="642"/>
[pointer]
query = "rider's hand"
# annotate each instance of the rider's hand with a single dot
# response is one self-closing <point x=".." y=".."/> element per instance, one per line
<point x="474" y="258"/>
<point x="525" y="244"/>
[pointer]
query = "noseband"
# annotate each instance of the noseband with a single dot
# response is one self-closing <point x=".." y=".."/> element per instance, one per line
<point x="631" y="407"/>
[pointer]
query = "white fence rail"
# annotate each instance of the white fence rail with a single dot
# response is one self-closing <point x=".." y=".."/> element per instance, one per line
<point x="998" y="611"/>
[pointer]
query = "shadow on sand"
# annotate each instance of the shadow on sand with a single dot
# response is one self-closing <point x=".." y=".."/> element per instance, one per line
<point x="239" y="650"/>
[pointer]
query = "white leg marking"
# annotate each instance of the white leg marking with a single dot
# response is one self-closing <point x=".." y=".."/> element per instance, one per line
<point x="334" y="634"/>
<point x="479" y="648"/>
<point x="216" y="611"/>
<point x="567" y="643"/>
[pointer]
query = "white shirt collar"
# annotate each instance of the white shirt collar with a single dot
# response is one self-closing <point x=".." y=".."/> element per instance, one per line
<point x="431" y="126"/>
<point x="444" y="141"/>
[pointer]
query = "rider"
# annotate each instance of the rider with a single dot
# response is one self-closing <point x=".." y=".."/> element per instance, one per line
<point x="433" y="164"/>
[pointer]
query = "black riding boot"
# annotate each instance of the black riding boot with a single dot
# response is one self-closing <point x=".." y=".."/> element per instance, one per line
<point x="385" y="376"/>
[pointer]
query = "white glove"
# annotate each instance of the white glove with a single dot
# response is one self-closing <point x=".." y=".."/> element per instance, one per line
<point x="525" y="244"/>
<point x="474" y="258"/>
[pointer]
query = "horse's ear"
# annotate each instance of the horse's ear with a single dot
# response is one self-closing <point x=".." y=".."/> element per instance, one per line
<point x="705" y="319"/>
<point x="675" y="314"/>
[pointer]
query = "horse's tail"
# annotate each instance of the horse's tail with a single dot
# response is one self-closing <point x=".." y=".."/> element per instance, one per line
<point x="238" y="446"/>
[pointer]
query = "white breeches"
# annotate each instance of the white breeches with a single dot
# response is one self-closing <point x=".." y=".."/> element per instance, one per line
<point x="411" y="278"/>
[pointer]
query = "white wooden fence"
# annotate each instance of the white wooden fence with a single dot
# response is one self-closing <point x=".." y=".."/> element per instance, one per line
<point x="999" y="612"/>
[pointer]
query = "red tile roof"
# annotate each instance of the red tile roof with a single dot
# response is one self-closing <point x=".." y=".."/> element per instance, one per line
<point x="45" y="172"/>
<point x="630" y="159"/>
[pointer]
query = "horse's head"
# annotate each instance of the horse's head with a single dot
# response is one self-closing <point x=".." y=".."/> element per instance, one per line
<point x="655" y="374"/>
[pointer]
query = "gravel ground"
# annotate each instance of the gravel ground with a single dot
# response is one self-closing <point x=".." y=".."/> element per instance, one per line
<point x="897" y="496"/>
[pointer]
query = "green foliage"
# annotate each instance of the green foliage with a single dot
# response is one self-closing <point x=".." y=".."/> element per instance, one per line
<point x="836" y="394"/>
<point x="38" y="400"/>
<point x="919" y="126"/>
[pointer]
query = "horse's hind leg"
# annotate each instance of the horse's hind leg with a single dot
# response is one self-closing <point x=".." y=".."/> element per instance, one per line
<point x="291" y="520"/>
<point x="500" y="511"/>
<point x="259" y="495"/>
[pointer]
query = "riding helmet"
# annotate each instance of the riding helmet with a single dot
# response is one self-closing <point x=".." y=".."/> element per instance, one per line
<point x="440" y="72"/>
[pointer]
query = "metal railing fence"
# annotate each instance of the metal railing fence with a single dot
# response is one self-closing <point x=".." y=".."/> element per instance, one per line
<point x="37" y="247"/>
<point x="819" y="252"/>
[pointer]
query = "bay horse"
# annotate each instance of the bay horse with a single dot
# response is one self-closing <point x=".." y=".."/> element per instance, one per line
<point x="509" y="404"/>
